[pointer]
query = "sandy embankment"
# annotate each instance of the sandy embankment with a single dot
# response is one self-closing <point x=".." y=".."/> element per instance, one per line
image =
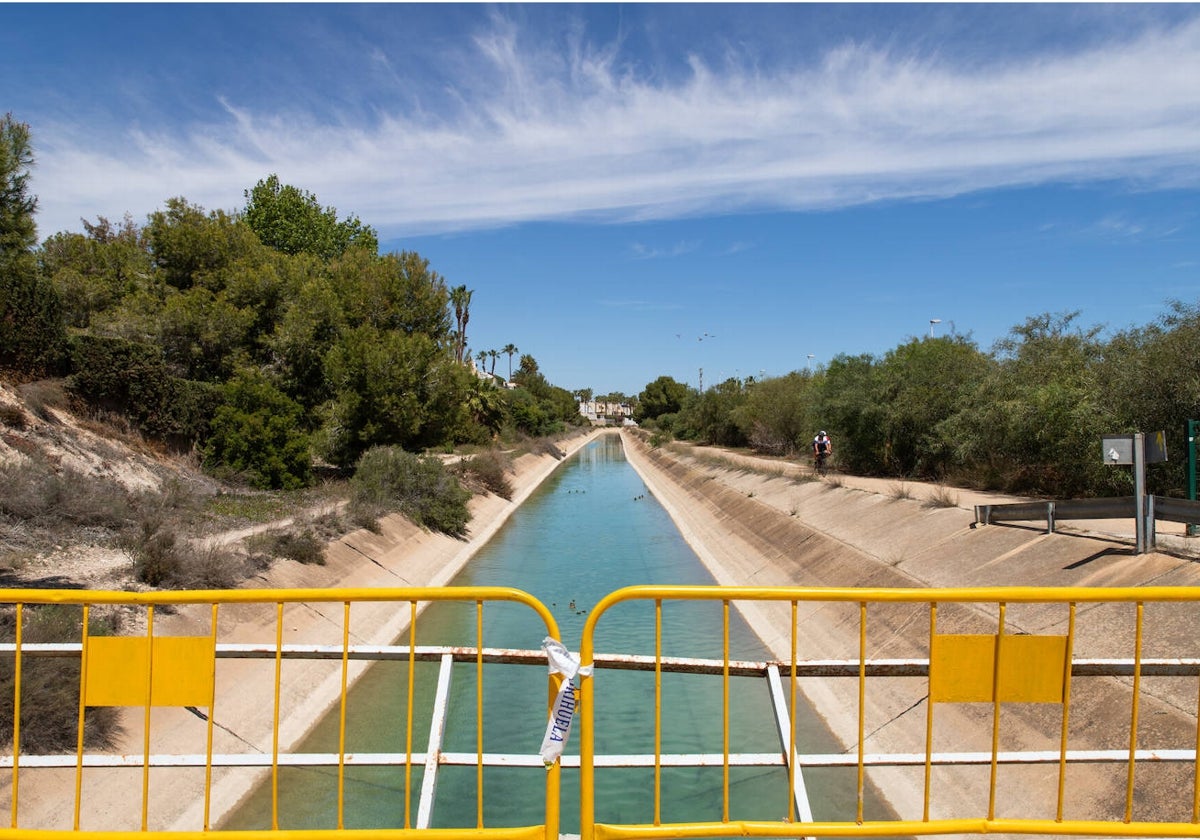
<point x="751" y="528"/>
<point x="402" y="555"/>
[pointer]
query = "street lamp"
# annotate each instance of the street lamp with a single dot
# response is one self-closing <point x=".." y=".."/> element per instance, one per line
<point x="933" y="321"/>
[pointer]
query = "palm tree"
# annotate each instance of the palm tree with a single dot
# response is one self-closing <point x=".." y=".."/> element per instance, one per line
<point x="511" y="350"/>
<point x="493" y="355"/>
<point x="482" y="357"/>
<point x="460" y="299"/>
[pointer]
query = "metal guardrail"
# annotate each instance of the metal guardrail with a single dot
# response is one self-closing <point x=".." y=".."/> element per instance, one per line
<point x="1176" y="510"/>
<point x="1119" y="507"/>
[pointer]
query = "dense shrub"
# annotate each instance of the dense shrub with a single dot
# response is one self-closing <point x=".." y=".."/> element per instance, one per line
<point x="162" y="559"/>
<point x="258" y="433"/>
<point x="113" y="374"/>
<point x="12" y="416"/>
<point x="487" y="470"/>
<point x="388" y="478"/>
<point x="302" y="547"/>
<point x="33" y="340"/>
<point x="116" y="374"/>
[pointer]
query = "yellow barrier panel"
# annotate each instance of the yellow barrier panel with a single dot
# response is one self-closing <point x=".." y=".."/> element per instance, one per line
<point x="1009" y="686"/>
<point x="181" y="670"/>
<point x="159" y="670"/>
<point x="963" y="669"/>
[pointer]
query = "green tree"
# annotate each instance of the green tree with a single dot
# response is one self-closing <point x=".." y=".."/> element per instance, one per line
<point x="94" y="271"/>
<point x="32" y="335"/>
<point x="921" y="384"/>
<point x="486" y="405"/>
<point x="845" y="402"/>
<point x="192" y="247"/>
<point x="291" y="220"/>
<point x="528" y="415"/>
<point x="258" y="433"/>
<point x="203" y="334"/>
<point x="1156" y="371"/>
<point x="18" y="231"/>
<point x="528" y="372"/>
<point x="311" y="326"/>
<point x="775" y="415"/>
<point x="394" y="292"/>
<point x="662" y="396"/>
<point x="710" y="417"/>
<point x="390" y="389"/>
<point x="1034" y="422"/>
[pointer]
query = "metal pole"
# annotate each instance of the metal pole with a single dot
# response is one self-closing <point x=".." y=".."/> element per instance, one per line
<point x="1192" y="429"/>
<point x="1139" y="491"/>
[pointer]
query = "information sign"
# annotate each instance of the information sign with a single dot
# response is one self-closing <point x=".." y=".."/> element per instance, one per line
<point x="1118" y="449"/>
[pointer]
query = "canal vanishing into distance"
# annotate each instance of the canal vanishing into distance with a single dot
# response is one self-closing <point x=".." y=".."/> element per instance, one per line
<point x="591" y="528"/>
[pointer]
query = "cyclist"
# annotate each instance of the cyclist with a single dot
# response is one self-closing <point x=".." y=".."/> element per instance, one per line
<point x="822" y="448"/>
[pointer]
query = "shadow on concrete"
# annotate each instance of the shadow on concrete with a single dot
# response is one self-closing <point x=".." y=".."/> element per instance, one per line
<point x="1104" y="552"/>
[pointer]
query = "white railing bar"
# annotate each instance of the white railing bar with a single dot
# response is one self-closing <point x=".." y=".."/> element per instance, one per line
<point x="1164" y="666"/>
<point x="771" y="759"/>
<point x="437" y="731"/>
<point x="784" y="721"/>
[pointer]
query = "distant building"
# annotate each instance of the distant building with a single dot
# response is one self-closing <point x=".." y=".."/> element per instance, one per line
<point x="602" y="413"/>
<point x="495" y="379"/>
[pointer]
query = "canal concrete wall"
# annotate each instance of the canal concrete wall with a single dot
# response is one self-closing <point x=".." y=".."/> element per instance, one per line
<point x="762" y="522"/>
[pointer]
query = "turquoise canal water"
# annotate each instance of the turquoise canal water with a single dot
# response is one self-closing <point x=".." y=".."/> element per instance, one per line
<point x="591" y="528"/>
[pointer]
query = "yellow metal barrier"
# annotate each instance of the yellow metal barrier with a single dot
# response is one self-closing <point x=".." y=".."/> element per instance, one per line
<point x="997" y="664"/>
<point x="173" y="673"/>
<point x="963" y="711"/>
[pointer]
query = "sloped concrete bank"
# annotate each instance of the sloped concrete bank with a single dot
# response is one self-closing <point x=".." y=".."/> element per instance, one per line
<point x="764" y="527"/>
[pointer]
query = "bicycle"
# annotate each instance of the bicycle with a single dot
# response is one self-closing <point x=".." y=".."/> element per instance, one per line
<point x="821" y="463"/>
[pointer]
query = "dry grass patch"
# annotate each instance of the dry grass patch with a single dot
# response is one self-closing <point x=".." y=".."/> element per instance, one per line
<point x="941" y="497"/>
<point x="50" y="685"/>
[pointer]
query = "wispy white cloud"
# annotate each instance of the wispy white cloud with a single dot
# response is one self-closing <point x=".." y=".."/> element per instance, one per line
<point x="738" y="247"/>
<point x="642" y="251"/>
<point x="1118" y="228"/>
<point x="574" y="133"/>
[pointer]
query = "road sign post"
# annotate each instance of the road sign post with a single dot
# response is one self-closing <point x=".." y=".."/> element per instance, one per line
<point x="1136" y="450"/>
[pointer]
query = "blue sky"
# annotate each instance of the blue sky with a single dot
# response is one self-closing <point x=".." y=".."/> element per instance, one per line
<point x="644" y="189"/>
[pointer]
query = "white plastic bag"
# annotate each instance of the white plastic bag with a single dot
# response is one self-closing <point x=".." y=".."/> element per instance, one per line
<point x="558" y="728"/>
